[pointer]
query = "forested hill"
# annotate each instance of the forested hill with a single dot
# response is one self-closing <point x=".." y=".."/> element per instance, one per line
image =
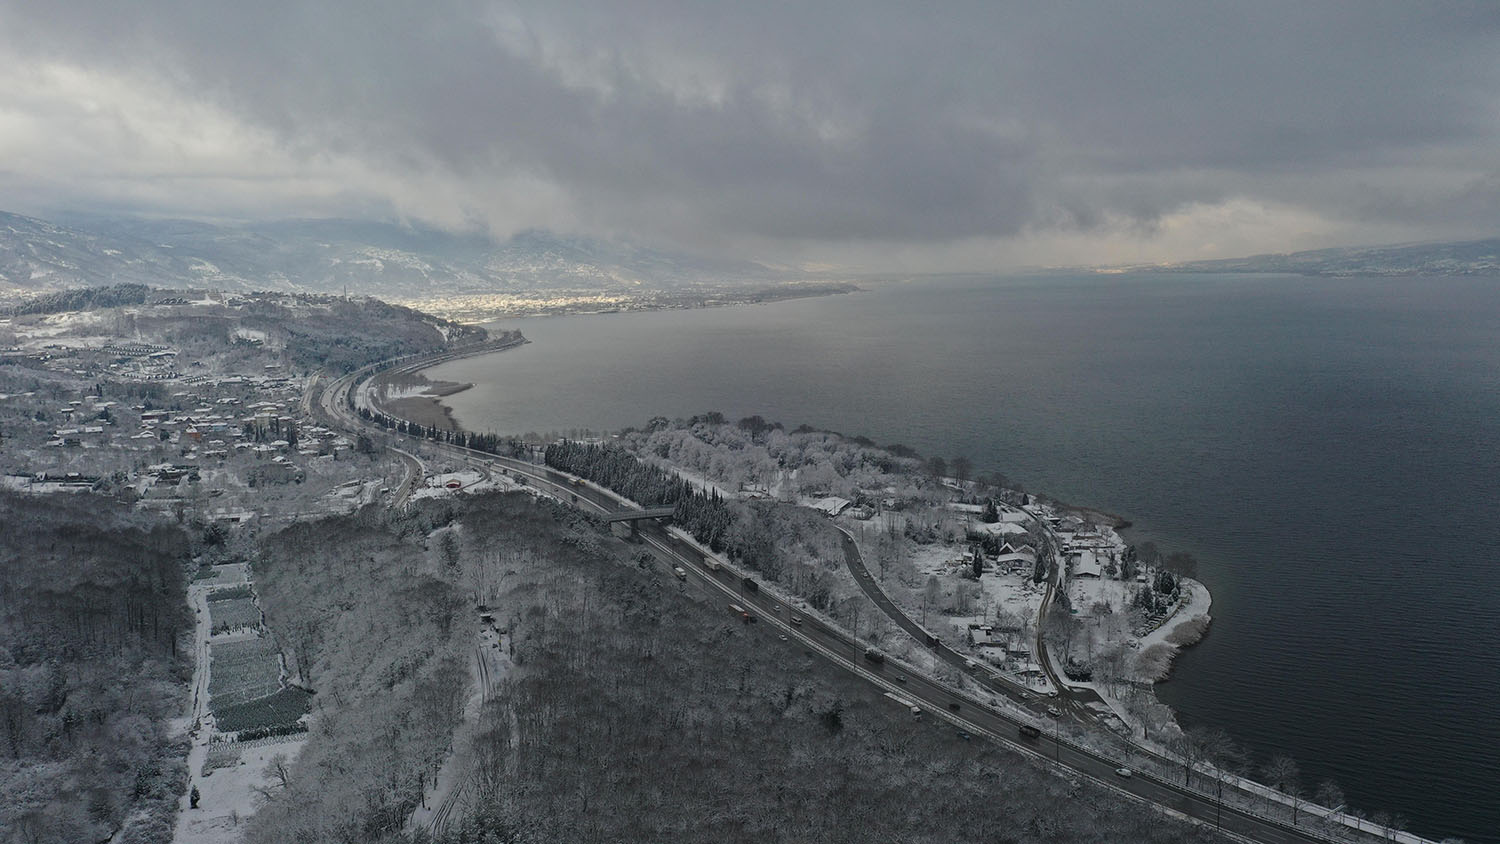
<point x="631" y="708"/>
<point x="92" y="615"/>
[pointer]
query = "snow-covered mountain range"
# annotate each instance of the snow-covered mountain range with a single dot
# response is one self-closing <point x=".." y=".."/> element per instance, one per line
<point x="1471" y="257"/>
<point x="332" y="255"/>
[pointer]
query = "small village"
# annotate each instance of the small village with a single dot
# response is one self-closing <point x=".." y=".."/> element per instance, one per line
<point x="216" y="437"/>
<point x="972" y="561"/>
<point x="211" y="425"/>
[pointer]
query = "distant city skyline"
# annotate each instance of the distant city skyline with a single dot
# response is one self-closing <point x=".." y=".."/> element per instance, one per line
<point x="866" y="136"/>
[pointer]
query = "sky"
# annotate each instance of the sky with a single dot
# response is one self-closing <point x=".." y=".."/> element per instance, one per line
<point x="868" y="135"/>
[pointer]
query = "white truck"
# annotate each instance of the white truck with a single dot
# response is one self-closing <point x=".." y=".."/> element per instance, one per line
<point x="916" y="711"/>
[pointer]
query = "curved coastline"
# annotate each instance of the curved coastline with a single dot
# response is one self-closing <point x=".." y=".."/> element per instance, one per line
<point x="1188" y="626"/>
<point x="1189" y="623"/>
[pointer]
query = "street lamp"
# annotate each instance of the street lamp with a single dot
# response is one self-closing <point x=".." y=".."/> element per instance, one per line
<point x="1057" y="739"/>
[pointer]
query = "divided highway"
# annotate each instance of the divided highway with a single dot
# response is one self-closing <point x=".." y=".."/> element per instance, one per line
<point x="834" y="647"/>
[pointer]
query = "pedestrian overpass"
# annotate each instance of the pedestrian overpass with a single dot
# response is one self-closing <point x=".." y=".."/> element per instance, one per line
<point x="626" y="523"/>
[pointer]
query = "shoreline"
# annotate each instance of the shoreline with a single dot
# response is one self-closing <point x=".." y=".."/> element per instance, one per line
<point x="471" y="309"/>
<point x="1189" y="623"/>
<point x="417" y="398"/>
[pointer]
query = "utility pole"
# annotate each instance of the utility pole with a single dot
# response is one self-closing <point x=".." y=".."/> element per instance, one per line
<point x="1056" y="740"/>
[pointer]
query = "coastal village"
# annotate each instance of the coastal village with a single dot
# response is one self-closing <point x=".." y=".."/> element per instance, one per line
<point x="213" y="424"/>
<point x="978" y="564"/>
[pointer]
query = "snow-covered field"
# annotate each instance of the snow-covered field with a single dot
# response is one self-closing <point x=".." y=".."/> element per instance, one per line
<point x="229" y="796"/>
<point x="231" y="777"/>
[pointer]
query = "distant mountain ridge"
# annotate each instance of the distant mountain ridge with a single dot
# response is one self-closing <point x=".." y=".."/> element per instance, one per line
<point x="379" y="259"/>
<point x="1470" y="257"/>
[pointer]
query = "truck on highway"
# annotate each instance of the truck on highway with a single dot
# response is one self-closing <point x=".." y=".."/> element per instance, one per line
<point x="750" y="585"/>
<point x="1028" y="731"/>
<point x="711" y="564"/>
<point x="680" y="572"/>
<point x="874" y="656"/>
<point x="745" y="616"/>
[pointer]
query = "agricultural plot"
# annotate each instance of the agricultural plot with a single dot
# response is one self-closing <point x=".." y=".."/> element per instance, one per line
<point x="231" y="593"/>
<point x="242" y="671"/>
<point x="221" y="754"/>
<point x="233" y="614"/>
<point x="226" y="573"/>
<point x="275" y="710"/>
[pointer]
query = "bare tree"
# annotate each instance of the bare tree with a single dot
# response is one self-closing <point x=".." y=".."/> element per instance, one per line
<point x="962" y="468"/>
<point x="1284" y="775"/>
<point x="1155" y="717"/>
<point x="1228" y="758"/>
<point x="1190" y="751"/>
<point x="1330" y="795"/>
<point x="932" y="595"/>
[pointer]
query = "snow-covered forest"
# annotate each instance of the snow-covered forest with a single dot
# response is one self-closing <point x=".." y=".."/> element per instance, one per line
<point x="92" y="610"/>
<point x="635" y="711"/>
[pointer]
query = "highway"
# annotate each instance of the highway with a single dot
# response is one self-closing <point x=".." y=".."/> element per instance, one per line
<point x="832" y="646"/>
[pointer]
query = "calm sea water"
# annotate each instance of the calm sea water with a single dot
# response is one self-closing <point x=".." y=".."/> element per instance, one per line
<point x="1329" y="448"/>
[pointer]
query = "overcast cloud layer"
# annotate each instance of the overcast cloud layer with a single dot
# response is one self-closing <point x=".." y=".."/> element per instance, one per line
<point x="862" y="134"/>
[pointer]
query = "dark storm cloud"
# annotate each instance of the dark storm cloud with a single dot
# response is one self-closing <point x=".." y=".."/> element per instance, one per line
<point x="860" y="122"/>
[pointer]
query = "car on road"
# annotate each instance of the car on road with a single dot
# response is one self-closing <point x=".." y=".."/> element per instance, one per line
<point x="953" y="705"/>
<point x="775" y="608"/>
<point x="680" y="572"/>
<point x="901" y="678"/>
<point x="1054" y="712"/>
<point x="963" y="735"/>
<point x="783" y="637"/>
<point x="1123" y="772"/>
<point x="797" y="620"/>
